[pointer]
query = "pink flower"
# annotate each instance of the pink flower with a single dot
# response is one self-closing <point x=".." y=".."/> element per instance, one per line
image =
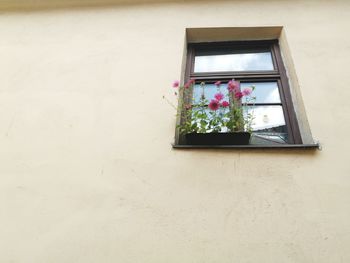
<point x="225" y="104"/>
<point x="218" y="83"/>
<point x="219" y="96"/>
<point x="188" y="106"/>
<point x="247" y="91"/>
<point x="189" y="83"/>
<point x="238" y="95"/>
<point x="214" y="105"/>
<point x="176" y="84"/>
<point x="232" y="85"/>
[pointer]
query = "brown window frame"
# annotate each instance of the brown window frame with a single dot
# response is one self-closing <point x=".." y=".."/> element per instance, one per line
<point x="278" y="74"/>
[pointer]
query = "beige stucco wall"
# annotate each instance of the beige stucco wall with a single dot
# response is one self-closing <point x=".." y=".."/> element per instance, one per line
<point x="87" y="172"/>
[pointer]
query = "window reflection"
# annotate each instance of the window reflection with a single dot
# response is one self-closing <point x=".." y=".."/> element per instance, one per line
<point x="264" y="92"/>
<point x="234" y="62"/>
<point x="269" y="138"/>
<point x="266" y="118"/>
<point x="209" y="91"/>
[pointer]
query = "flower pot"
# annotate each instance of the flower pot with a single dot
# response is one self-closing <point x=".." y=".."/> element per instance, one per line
<point x="232" y="138"/>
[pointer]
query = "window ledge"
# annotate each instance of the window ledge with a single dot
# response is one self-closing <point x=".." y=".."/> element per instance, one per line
<point x="251" y="146"/>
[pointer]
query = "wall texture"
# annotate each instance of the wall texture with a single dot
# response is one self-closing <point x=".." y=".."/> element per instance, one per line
<point x="87" y="172"/>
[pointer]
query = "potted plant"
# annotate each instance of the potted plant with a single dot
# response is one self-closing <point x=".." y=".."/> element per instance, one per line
<point x="220" y="120"/>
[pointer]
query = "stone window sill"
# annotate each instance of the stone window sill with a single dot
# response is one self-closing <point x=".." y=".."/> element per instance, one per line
<point x="250" y="146"/>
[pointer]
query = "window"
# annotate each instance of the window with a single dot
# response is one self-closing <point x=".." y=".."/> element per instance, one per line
<point x="251" y="63"/>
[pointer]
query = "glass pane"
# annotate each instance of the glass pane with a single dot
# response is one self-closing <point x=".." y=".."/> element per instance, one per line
<point x="265" y="92"/>
<point x="209" y="92"/>
<point x="269" y="138"/>
<point x="267" y="118"/>
<point x="268" y="125"/>
<point x="234" y="62"/>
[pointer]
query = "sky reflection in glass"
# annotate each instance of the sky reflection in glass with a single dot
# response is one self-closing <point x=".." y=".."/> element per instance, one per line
<point x="234" y="62"/>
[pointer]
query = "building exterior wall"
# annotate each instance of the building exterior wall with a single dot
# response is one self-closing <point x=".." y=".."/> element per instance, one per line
<point x="87" y="171"/>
